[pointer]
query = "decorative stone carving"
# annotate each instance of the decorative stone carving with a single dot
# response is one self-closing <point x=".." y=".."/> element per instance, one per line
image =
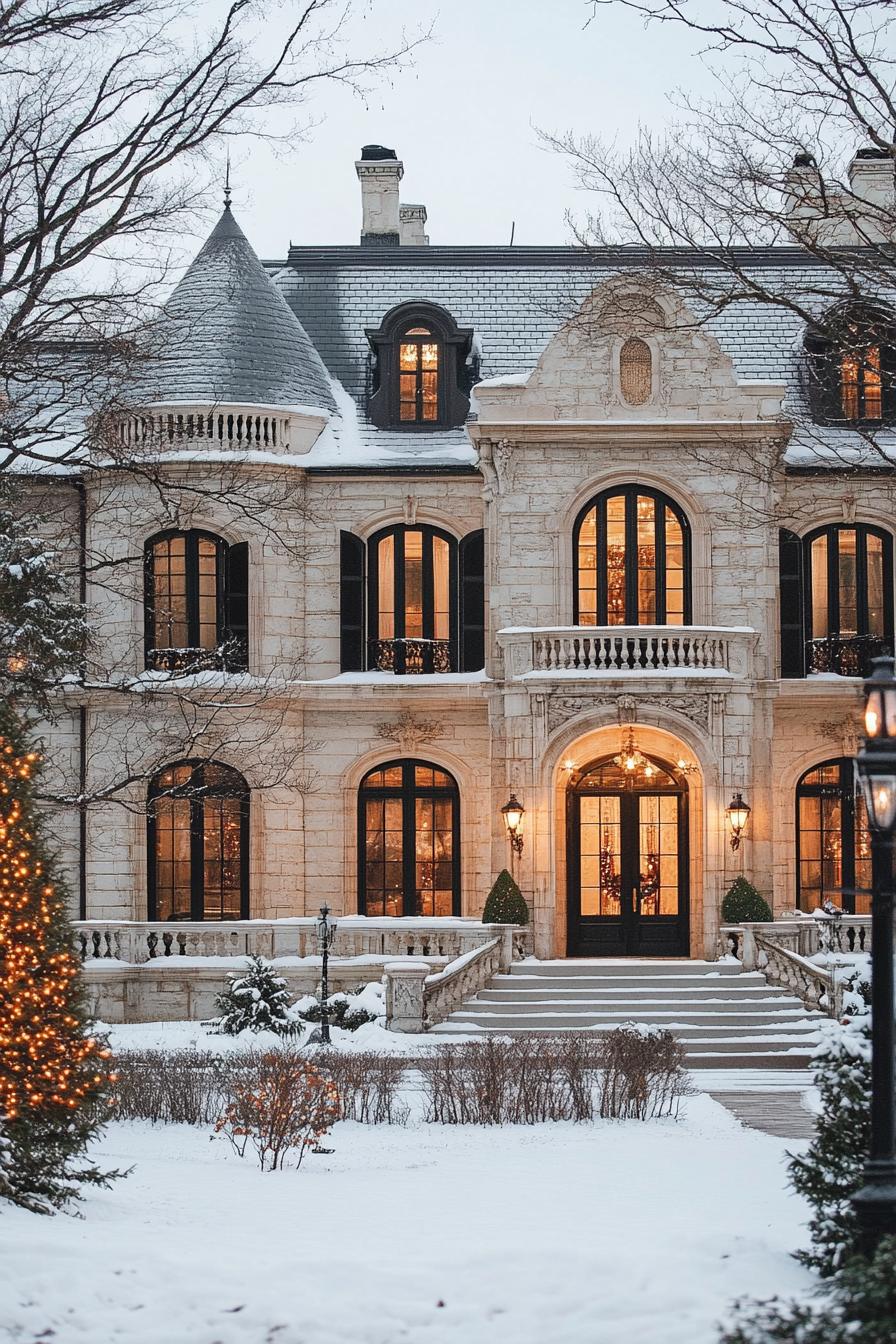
<point x="502" y="456"/>
<point x="563" y="707"/>
<point x="408" y="730"/>
<point x="630" y="708"/>
<point x="844" y="732"/>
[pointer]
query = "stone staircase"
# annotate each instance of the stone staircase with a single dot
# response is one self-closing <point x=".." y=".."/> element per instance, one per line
<point x="725" y="1017"/>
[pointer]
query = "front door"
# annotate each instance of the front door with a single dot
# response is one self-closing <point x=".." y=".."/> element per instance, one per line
<point x="627" y="850"/>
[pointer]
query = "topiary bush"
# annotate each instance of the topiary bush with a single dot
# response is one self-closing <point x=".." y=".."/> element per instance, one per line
<point x="743" y="902"/>
<point x="506" y="903"/>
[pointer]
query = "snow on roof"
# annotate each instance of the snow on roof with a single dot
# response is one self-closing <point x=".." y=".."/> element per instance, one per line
<point x="228" y="335"/>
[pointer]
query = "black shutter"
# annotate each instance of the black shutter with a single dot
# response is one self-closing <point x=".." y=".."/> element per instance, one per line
<point x="793" y="647"/>
<point x="351" y="599"/>
<point x="472" y="602"/>
<point x="236" y="606"/>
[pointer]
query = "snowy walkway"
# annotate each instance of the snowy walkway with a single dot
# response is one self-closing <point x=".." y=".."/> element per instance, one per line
<point x="573" y="1234"/>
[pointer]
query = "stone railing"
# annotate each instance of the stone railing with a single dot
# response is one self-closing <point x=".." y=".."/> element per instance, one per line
<point x="616" y="650"/>
<point x="229" y="427"/>
<point x="138" y="942"/>
<point x="818" y="988"/>
<point x="807" y="936"/>
<point x="416" y="999"/>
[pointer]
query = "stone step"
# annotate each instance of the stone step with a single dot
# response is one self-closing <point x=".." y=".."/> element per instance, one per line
<point x="650" y="968"/>
<point x="724" y="1017"/>
<point x="553" y="993"/>
<point x="749" y="980"/>
<point x="582" y="1021"/>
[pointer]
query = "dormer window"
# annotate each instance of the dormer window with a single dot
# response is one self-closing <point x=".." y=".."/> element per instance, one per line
<point x="852" y="368"/>
<point x="422" y="370"/>
<point x="418" y="364"/>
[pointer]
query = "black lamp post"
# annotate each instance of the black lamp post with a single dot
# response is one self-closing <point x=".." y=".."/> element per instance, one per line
<point x="326" y="932"/>
<point x="875" y="1203"/>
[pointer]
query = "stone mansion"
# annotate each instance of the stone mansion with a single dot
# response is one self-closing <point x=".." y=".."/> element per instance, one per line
<point x="455" y="526"/>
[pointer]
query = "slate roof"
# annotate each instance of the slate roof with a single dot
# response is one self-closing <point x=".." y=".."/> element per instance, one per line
<point x="515" y="299"/>
<point x="229" y="335"/>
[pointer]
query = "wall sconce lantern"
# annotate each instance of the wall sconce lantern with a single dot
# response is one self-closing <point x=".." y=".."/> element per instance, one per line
<point x="738" y="814"/>
<point x="513" y="812"/>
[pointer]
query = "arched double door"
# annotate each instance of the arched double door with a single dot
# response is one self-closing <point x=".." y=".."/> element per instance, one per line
<point x="627" y="861"/>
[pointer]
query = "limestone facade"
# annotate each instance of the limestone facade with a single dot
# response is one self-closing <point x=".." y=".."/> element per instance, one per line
<point x="712" y="436"/>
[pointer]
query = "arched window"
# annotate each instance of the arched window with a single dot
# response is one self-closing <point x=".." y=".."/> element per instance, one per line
<point x="635" y="371"/>
<point x="408" y="841"/>
<point x="631" y="551"/>
<point x="833" y="841"/>
<point x="852" y="366"/>
<point x="849" y="597"/>
<point x="421" y="376"/>
<point x="198" y="836"/>
<point x="412" y="603"/>
<point x="196" y="602"/>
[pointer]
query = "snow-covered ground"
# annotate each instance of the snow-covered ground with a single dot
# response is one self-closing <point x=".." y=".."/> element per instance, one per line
<point x="627" y="1233"/>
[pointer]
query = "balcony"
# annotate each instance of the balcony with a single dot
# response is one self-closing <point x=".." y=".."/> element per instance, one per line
<point x="845" y="655"/>
<point x="628" y="651"/>
<point x="406" y="657"/>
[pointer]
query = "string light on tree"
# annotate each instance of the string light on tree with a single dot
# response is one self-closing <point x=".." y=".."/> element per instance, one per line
<point x="52" y="1071"/>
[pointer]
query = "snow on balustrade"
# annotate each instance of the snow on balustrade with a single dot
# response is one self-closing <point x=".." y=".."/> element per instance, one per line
<point x="624" y="649"/>
<point x="137" y="942"/>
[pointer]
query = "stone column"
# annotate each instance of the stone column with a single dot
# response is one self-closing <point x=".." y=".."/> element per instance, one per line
<point x="404" y="982"/>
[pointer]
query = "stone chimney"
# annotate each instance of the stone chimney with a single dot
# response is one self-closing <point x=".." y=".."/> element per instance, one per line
<point x="412" y="220"/>
<point x="871" y="176"/>
<point x="379" y="172"/>
<point x="384" y="222"/>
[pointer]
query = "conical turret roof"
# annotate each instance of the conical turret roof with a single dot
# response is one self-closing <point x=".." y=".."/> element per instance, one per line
<point x="229" y="335"/>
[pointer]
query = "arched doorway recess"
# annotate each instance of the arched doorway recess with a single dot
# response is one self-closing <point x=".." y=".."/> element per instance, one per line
<point x="627" y="859"/>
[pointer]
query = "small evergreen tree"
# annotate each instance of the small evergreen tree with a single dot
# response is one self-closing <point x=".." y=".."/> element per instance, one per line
<point x="53" y="1072"/>
<point x="255" y="1000"/>
<point x="743" y="902"/>
<point x="42" y="631"/>
<point x="830" y="1172"/>
<point x="506" y="903"/>
<point x="857" y="1307"/>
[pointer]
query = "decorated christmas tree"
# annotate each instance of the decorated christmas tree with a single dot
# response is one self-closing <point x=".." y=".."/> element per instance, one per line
<point x="53" y="1072"/>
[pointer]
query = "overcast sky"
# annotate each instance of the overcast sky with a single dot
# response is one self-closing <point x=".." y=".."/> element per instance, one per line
<point x="463" y="120"/>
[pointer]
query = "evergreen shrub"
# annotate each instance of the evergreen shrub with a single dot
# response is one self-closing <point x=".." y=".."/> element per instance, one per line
<point x="505" y="903"/>
<point x="255" y="999"/>
<point x="743" y="902"/>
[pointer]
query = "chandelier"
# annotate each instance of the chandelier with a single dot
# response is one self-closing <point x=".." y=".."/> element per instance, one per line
<point x="632" y="760"/>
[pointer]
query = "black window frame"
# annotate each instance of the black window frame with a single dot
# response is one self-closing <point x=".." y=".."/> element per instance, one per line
<point x="849" y="654"/>
<point x="846" y="792"/>
<point x="458" y="367"/>
<point x="197" y="791"/>
<point x="408" y="791"/>
<point x="405" y="653"/>
<point x="850" y="330"/>
<point x="662" y="501"/>
<point x="231" y="605"/>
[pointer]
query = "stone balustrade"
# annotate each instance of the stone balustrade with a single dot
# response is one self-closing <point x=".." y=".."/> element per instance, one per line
<point x="224" y="427"/>
<point x="625" y="650"/>
<point x="138" y="942"/>
<point x="805" y="935"/>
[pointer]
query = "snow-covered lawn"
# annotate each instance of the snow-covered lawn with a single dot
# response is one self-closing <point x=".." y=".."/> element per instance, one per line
<point x="627" y="1233"/>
